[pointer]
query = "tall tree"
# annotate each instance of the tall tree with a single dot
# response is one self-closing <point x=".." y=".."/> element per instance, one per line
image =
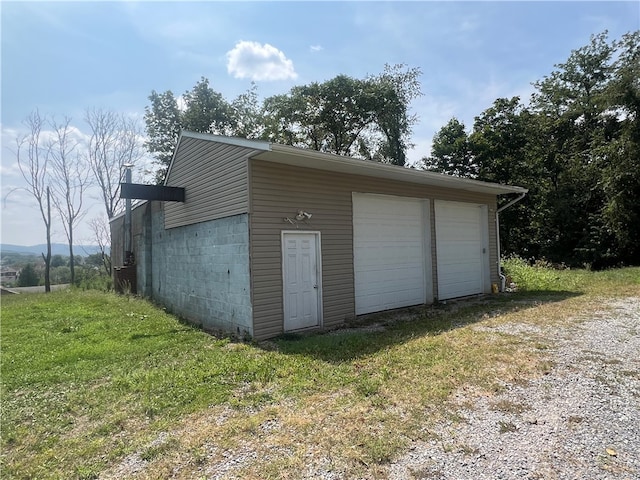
<point x="499" y="141"/>
<point x="576" y="147"/>
<point x="33" y="161"/>
<point x="570" y="103"/>
<point x="247" y="115"/>
<point x="201" y="109"/>
<point x="327" y="117"/>
<point x="69" y="178"/>
<point x="163" y="124"/>
<point x="115" y="142"/>
<point x="396" y="87"/>
<point x="207" y="111"/>
<point x="28" y="276"/>
<point x="500" y="145"/>
<point x="621" y="148"/>
<point x="451" y="152"/>
<point x="364" y="118"/>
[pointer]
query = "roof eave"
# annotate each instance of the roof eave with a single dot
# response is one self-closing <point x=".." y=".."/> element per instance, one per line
<point x="286" y="154"/>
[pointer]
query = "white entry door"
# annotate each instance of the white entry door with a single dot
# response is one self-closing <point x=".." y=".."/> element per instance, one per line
<point x="301" y="280"/>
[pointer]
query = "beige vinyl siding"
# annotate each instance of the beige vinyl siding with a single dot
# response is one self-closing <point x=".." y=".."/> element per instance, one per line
<point x="214" y="176"/>
<point x="279" y="191"/>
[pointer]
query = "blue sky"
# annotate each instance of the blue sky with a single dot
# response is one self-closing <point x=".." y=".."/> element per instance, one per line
<point x="63" y="58"/>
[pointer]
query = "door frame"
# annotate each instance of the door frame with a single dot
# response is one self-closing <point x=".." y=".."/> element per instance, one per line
<point x="318" y="254"/>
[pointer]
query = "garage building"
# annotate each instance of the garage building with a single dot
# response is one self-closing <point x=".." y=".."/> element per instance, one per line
<point x="273" y="238"/>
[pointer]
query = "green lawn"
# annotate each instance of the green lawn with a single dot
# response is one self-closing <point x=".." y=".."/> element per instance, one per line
<point x="90" y="379"/>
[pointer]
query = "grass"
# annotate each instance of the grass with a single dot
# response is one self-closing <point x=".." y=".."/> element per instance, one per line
<point x="93" y="383"/>
<point x="543" y="277"/>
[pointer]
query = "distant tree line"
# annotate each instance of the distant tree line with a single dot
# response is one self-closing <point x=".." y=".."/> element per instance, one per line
<point x="90" y="272"/>
<point x="575" y="146"/>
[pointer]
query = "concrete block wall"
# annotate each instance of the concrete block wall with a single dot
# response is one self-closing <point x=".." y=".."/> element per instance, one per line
<point x="142" y="245"/>
<point x="201" y="272"/>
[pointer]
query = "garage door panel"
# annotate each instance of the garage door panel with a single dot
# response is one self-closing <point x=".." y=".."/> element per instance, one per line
<point x="459" y="246"/>
<point x="379" y="257"/>
<point x="458" y="289"/>
<point x="384" y="275"/>
<point x="459" y="270"/>
<point x="389" y="267"/>
<point x="387" y="300"/>
<point x="455" y="251"/>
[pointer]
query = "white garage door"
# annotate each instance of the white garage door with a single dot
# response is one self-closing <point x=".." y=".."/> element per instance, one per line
<point x="389" y="238"/>
<point x="462" y="249"/>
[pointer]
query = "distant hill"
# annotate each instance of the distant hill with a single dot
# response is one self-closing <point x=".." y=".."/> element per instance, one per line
<point x="56" y="249"/>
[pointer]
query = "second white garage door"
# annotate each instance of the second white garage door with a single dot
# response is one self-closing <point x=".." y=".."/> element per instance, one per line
<point x="390" y="242"/>
<point x="462" y="249"/>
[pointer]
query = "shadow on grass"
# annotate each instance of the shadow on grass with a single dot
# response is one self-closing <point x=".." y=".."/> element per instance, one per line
<point x="371" y="333"/>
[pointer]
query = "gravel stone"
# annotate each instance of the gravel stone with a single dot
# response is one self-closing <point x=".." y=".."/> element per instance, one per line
<point x="579" y="421"/>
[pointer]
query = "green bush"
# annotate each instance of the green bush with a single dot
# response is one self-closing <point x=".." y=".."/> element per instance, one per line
<point x="28" y="276"/>
<point x="537" y="277"/>
<point x="91" y="278"/>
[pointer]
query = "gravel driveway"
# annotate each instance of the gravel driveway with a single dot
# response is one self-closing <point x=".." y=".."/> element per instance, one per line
<point x="579" y="421"/>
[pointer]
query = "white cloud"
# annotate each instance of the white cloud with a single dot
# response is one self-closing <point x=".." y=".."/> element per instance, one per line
<point x="469" y="24"/>
<point x="316" y="48"/>
<point x="259" y="62"/>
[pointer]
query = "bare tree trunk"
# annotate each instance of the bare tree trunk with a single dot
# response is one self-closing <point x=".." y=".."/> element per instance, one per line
<point x="114" y="143"/>
<point x="102" y="237"/>
<point x="47" y="259"/>
<point x="33" y="167"/>
<point x="70" y="178"/>
<point x="72" y="261"/>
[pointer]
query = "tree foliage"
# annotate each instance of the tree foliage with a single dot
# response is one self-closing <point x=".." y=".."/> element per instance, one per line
<point x="28" y="276"/>
<point x="163" y="124"/>
<point x="575" y="144"/>
<point x="59" y="261"/>
<point x="203" y="110"/>
<point x="367" y="118"/>
<point x="451" y="152"/>
<point x="575" y="147"/>
<point x="326" y="117"/>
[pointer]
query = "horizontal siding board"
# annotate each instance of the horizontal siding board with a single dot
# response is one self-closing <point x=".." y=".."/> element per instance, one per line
<point x="265" y="296"/>
<point x="227" y="180"/>
<point x="215" y="179"/>
<point x="278" y="191"/>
